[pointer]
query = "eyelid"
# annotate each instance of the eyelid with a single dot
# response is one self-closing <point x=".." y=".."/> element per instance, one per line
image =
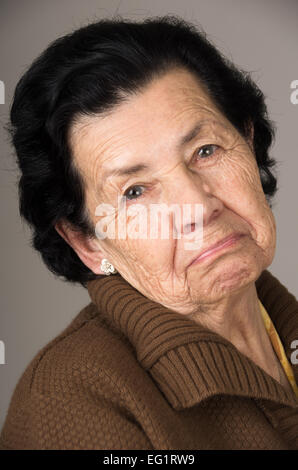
<point x="207" y="145"/>
<point x="211" y="157"/>
<point x="130" y="187"/>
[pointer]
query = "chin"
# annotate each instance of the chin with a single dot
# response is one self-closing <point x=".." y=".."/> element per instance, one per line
<point x="224" y="277"/>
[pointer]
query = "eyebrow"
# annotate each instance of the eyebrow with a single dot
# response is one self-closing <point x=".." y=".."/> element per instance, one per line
<point x="141" y="167"/>
<point x="194" y="131"/>
<point x="125" y="171"/>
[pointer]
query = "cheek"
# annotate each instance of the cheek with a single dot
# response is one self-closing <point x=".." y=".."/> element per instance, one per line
<point x="239" y="187"/>
<point x="243" y="194"/>
<point x="239" y="177"/>
<point x="135" y="248"/>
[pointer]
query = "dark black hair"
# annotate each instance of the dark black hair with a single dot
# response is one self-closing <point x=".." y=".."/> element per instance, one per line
<point x="90" y="71"/>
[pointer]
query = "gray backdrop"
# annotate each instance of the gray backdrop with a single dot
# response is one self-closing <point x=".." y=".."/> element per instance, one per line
<point x="258" y="35"/>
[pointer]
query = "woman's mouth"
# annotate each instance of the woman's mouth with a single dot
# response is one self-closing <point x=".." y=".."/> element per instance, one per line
<point x="221" y="245"/>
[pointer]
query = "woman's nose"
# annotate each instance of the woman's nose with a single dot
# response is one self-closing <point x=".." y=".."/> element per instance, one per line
<point x="191" y="189"/>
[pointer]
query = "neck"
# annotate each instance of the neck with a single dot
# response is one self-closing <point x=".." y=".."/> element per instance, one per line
<point x="238" y="319"/>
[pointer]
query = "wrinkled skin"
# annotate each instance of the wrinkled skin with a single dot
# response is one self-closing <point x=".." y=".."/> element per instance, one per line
<point x="220" y="292"/>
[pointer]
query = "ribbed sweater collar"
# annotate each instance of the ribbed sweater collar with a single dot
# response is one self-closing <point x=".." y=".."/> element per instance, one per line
<point x="189" y="362"/>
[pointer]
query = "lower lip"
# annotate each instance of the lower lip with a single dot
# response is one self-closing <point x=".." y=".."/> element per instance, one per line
<point x="209" y="253"/>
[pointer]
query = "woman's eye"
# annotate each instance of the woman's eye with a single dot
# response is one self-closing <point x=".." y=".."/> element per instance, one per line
<point x="133" y="192"/>
<point x="207" y="150"/>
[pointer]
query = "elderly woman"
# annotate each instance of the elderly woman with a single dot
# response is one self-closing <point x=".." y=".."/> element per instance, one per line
<point x="179" y="348"/>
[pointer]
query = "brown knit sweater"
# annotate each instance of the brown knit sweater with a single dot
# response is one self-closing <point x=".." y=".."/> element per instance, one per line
<point x="128" y="373"/>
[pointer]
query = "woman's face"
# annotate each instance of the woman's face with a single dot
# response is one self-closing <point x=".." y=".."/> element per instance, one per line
<point x="215" y="167"/>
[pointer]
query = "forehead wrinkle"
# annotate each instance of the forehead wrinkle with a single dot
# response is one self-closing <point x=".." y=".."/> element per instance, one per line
<point x="115" y="149"/>
<point x="195" y="105"/>
<point x="192" y="96"/>
<point x="190" y="89"/>
<point x="79" y="135"/>
<point x="84" y="136"/>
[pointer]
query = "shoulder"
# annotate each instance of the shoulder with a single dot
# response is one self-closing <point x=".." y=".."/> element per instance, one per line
<point x="77" y="392"/>
<point x="87" y="356"/>
<point x="83" y="377"/>
<point x="86" y="353"/>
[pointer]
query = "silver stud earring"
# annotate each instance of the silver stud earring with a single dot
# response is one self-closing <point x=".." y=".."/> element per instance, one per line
<point x="107" y="267"/>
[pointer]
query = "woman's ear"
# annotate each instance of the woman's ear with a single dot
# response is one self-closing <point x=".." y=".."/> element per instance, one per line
<point x="85" y="247"/>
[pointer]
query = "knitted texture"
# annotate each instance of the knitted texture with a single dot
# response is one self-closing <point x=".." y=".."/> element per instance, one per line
<point x="128" y="373"/>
